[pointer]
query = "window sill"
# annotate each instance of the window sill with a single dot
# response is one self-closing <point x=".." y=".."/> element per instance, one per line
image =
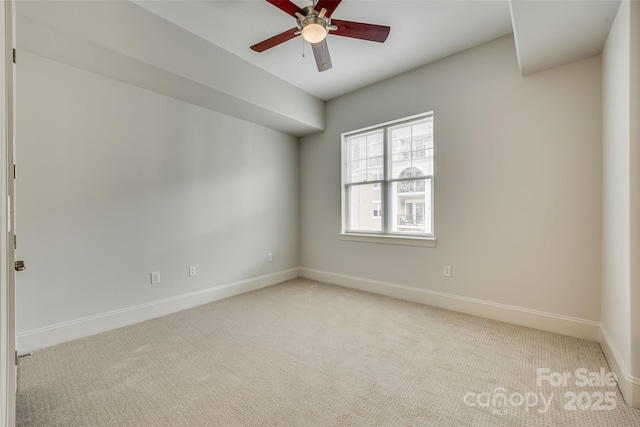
<point x="428" y="242"/>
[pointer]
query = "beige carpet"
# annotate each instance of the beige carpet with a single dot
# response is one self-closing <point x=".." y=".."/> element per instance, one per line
<point x="304" y="353"/>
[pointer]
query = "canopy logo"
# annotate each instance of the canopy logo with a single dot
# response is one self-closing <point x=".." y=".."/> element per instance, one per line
<point x="499" y="401"/>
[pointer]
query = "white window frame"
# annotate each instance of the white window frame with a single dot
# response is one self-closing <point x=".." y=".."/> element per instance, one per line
<point x="386" y="235"/>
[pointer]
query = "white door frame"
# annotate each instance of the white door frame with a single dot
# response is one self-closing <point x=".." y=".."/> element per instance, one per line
<point x="7" y="294"/>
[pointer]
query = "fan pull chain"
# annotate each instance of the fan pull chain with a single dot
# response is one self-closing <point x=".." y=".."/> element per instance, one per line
<point x="302" y="46"/>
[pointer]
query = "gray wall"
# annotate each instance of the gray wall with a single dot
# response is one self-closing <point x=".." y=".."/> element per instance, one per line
<point x="116" y="181"/>
<point x="621" y="200"/>
<point x="616" y="221"/>
<point x="517" y="183"/>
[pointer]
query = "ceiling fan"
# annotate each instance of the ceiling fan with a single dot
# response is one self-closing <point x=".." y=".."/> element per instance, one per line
<point x="314" y="23"/>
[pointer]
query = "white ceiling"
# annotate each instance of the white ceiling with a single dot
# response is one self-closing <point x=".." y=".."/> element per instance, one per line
<point x="551" y="33"/>
<point x="422" y="31"/>
<point x="548" y="33"/>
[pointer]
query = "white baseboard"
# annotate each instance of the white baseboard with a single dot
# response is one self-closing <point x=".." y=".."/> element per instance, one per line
<point x="629" y="385"/>
<point x="62" y="332"/>
<point x="565" y="325"/>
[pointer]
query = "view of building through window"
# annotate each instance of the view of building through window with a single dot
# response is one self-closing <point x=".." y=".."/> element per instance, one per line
<point x="388" y="178"/>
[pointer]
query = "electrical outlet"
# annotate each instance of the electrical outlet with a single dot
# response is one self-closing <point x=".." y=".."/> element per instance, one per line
<point x="192" y="271"/>
<point x="446" y="271"/>
<point x="269" y="257"/>
<point x="155" y="277"/>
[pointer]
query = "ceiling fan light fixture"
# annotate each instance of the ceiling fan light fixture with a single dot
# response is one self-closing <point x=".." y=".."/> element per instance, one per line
<point x="314" y="32"/>
<point x="314" y="24"/>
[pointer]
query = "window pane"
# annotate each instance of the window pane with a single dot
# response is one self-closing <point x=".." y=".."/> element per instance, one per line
<point x="376" y="208"/>
<point x="411" y="146"/>
<point x="365" y="156"/>
<point x="365" y="208"/>
<point x="411" y="206"/>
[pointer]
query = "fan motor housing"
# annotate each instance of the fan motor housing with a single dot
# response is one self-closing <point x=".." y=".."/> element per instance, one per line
<point x="312" y="17"/>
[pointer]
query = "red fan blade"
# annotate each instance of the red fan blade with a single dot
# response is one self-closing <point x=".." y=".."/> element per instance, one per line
<point x="358" y="30"/>
<point x="287" y="6"/>
<point x="275" y="40"/>
<point x="330" y="5"/>
<point x="321" y="53"/>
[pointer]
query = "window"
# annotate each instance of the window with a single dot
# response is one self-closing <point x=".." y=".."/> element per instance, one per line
<point x="377" y="209"/>
<point x="377" y="177"/>
<point x="388" y="179"/>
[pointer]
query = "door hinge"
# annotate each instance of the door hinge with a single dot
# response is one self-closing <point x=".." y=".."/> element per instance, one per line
<point x="14" y="56"/>
<point x="16" y="353"/>
<point x="15" y="172"/>
<point x="15" y="242"/>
